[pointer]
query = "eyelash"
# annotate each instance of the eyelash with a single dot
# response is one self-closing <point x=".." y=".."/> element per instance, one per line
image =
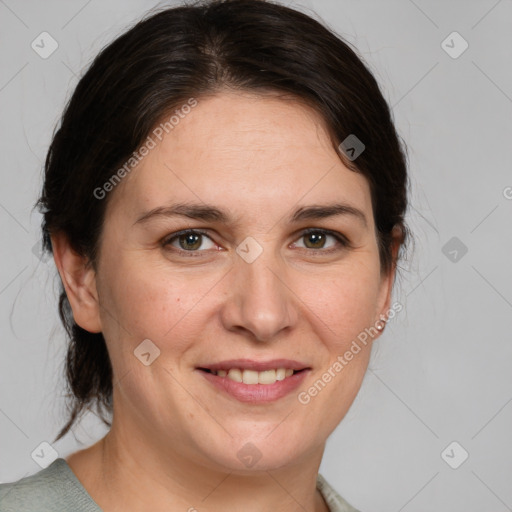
<point x="343" y="241"/>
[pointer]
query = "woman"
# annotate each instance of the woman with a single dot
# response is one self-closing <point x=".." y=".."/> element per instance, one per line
<point x="224" y="200"/>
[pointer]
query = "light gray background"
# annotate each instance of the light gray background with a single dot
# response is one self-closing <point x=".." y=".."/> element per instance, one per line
<point x="441" y="371"/>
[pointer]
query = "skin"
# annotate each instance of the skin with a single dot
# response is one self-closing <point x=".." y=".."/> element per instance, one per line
<point x="174" y="439"/>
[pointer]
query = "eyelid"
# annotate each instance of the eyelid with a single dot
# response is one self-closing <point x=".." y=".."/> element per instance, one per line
<point x="168" y="239"/>
<point x="341" y="239"/>
<point x="335" y="234"/>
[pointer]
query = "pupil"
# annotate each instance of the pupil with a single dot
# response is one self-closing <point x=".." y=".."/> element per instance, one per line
<point x="316" y="239"/>
<point x="190" y="241"/>
<point x="193" y="240"/>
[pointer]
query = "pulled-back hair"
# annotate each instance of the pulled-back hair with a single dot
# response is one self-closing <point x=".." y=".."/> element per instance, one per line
<point x="155" y="67"/>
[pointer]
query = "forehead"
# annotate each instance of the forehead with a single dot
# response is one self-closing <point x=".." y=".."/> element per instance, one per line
<point x="248" y="152"/>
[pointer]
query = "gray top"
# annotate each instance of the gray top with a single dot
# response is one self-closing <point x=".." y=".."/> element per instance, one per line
<point x="57" y="489"/>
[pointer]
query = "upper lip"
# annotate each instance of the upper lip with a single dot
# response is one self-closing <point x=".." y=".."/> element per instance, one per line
<point x="251" y="364"/>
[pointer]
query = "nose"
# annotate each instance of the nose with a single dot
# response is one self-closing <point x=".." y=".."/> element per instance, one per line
<point x="259" y="300"/>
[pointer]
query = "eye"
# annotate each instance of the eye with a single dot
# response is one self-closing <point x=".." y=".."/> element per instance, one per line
<point x="319" y="239"/>
<point x="190" y="240"/>
<point x="194" y="241"/>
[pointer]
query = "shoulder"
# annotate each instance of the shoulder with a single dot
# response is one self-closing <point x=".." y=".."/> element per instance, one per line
<point x="52" y="489"/>
<point x="334" y="501"/>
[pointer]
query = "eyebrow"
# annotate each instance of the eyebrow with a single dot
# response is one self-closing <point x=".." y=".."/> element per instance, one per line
<point x="211" y="213"/>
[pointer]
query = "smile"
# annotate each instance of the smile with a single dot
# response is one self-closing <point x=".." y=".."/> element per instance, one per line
<point x="253" y="377"/>
<point x="255" y="382"/>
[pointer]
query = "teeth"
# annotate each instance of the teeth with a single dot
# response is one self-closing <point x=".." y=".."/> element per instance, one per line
<point x="280" y="374"/>
<point x="267" y="377"/>
<point x="235" y="374"/>
<point x="254" y="377"/>
<point x="250" y="377"/>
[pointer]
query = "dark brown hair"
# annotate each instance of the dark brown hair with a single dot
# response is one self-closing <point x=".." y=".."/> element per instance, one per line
<point x="192" y="51"/>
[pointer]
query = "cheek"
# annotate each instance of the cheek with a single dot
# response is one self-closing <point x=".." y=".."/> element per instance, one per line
<point x="142" y="301"/>
<point x="343" y="312"/>
<point x="344" y="301"/>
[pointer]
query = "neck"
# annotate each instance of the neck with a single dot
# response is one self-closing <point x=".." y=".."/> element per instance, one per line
<point x="125" y="472"/>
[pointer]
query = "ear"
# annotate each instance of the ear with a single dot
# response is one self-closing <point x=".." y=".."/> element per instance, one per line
<point x="387" y="280"/>
<point x="79" y="280"/>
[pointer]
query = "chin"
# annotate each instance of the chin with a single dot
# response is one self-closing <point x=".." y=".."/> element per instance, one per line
<point x="247" y="454"/>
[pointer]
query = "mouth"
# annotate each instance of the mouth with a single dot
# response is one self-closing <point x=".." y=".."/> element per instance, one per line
<point x="253" y="381"/>
<point x="252" y="377"/>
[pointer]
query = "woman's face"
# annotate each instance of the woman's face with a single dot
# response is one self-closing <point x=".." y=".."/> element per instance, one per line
<point x="252" y="286"/>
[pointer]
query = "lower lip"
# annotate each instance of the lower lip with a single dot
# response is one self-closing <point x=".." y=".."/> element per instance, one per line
<point x="256" y="393"/>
